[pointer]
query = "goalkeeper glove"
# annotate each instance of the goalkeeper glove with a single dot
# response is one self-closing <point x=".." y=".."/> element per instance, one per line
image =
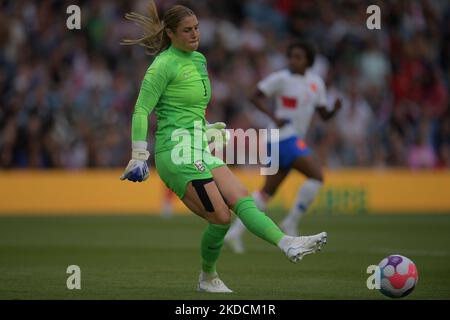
<point x="137" y="169"/>
<point x="216" y="132"/>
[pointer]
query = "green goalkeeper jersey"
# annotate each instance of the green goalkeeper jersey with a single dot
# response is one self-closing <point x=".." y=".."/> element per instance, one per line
<point x="177" y="85"/>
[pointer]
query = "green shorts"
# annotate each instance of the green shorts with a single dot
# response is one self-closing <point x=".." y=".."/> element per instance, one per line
<point x="176" y="173"/>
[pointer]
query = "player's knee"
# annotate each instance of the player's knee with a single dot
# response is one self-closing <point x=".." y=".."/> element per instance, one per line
<point x="239" y="193"/>
<point x="225" y="220"/>
<point x="221" y="216"/>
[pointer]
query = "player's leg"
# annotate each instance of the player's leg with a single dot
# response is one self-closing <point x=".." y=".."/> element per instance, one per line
<point x="258" y="223"/>
<point x="204" y="199"/>
<point x="193" y="184"/>
<point x="238" y="198"/>
<point x="167" y="203"/>
<point x="261" y="197"/>
<point x="306" y="194"/>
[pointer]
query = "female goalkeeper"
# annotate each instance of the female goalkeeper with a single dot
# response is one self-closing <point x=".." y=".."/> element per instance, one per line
<point x="177" y="86"/>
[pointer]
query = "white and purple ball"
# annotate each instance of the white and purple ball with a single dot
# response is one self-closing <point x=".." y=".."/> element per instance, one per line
<point x="398" y="276"/>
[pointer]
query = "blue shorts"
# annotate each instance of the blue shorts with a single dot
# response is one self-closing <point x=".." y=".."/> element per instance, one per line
<point x="289" y="149"/>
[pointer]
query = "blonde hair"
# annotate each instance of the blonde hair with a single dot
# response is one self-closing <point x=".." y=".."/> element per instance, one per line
<point x="155" y="38"/>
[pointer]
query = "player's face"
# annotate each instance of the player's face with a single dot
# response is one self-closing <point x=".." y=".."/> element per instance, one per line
<point x="298" y="62"/>
<point x="187" y="35"/>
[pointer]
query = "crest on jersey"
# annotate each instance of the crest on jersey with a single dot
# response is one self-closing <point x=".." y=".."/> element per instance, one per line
<point x="200" y="166"/>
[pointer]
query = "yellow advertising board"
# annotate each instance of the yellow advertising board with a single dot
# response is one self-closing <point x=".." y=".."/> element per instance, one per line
<point x="101" y="192"/>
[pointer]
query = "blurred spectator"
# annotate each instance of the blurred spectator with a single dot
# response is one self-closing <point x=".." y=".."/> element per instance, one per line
<point x="421" y="153"/>
<point x="353" y="123"/>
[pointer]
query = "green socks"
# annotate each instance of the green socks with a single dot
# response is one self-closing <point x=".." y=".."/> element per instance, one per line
<point x="212" y="242"/>
<point x="257" y="222"/>
<point x="254" y="220"/>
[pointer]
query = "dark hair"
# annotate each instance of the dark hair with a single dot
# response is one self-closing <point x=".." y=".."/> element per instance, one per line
<point x="307" y="47"/>
<point x="155" y="38"/>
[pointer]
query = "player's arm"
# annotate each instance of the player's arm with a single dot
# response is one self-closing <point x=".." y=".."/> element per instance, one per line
<point x="326" y="114"/>
<point x="322" y="103"/>
<point x="259" y="100"/>
<point x="153" y="85"/>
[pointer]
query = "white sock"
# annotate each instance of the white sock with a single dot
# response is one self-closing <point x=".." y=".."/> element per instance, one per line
<point x="260" y="201"/>
<point x="305" y="197"/>
<point x="284" y="243"/>
<point x="207" y="276"/>
<point x="237" y="228"/>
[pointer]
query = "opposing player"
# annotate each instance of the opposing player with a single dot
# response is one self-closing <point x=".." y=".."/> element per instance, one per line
<point x="298" y="95"/>
<point x="177" y="86"/>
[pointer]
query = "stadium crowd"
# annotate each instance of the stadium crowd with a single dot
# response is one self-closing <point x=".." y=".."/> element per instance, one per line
<point x="66" y="96"/>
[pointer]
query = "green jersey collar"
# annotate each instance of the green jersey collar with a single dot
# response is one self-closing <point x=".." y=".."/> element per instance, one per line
<point x="179" y="52"/>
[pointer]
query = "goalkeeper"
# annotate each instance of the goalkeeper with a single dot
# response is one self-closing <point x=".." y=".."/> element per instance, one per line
<point x="177" y="87"/>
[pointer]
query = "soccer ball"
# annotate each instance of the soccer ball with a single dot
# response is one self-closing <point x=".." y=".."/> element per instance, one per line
<point x="398" y="276"/>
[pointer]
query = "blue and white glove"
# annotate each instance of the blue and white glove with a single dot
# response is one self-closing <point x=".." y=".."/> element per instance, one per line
<point x="137" y="169"/>
<point x="217" y="134"/>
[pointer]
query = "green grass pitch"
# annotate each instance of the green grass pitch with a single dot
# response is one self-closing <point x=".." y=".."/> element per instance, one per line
<point x="148" y="257"/>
